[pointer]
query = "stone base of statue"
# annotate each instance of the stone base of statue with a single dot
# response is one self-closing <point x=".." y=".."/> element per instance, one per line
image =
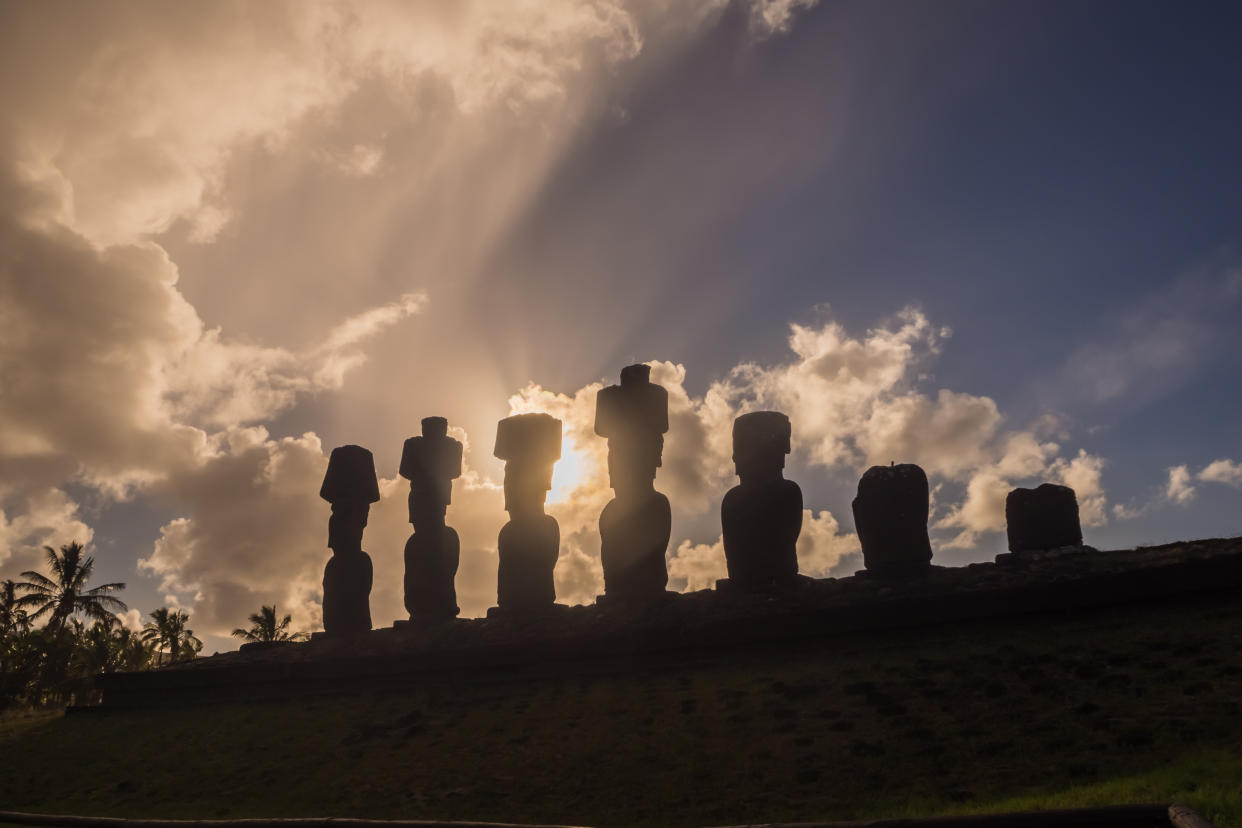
<point x="1030" y="556"/>
<point x="783" y="586"/>
<point x="634" y="534"/>
<point x="431" y="560"/>
<point x="898" y="574"/>
<point x="629" y="602"/>
<point x="540" y="611"/>
<point x="347" y="593"/>
<point x="528" y="547"/>
<point x="413" y="624"/>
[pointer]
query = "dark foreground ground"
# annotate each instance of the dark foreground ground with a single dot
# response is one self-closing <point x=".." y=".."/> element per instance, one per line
<point x="1125" y="705"/>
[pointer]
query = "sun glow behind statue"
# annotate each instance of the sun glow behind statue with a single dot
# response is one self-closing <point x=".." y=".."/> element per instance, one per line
<point x="572" y="471"/>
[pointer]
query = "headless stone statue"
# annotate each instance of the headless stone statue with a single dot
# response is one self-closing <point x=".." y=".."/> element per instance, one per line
<point x="762" y="517"/>
<point x="431" y="463"/>
<point x="635" y="526"/>
<point x="1042" y="518"/>
<point x="890" y="516"/>
<point x="350" y="486"/>
<point x="529" y="544"/>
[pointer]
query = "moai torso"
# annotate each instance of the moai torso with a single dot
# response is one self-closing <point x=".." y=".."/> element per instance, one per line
<point x="528" y="547"/>
<point x="351" y="487"/>
<point x="762" y="517"/>
<point x="635" y="526"/>
<point x="431" y="463"/>
<point x="529" y="544"/>
<point x="890" y="516"/>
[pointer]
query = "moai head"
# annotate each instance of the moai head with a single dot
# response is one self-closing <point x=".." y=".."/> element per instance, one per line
<point x="760" y="443"/>
<point x="1042" y="518"/>
<point x="431" y="463"/>
<point x="351" y="487"/>
<point x="890" y="517"/>
<point x="633" y="416"/>
<point x="530" y="445"/>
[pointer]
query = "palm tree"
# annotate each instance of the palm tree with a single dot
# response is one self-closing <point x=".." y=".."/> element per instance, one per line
<point x="132" y="652"/>
<point x="98" y="649"/>
<point x="265" y="627"/>
<point x="65" y="594"/>
<point x="167" y="630"/>
<point x="13" y="621"/>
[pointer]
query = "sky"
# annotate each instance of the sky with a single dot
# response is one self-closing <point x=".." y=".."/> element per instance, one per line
<point x="999" y="240"/>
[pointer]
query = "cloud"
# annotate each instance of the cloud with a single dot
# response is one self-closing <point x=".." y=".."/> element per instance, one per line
<point x="776" y="16"/>
<point x="131" y="620"/>
<point x="695" y="566"/>
<point x="824" y="550"/>
<point x="158" y="98"/>
<point x="221" y="383"/>
<point x="1179" y="488"/>
<point x="1083" y="474"/>
<point x="1222" y="471"/>
<point x="1157" y="343"/>
<point x="42" y="517"/>
<point x="111" y="377"/>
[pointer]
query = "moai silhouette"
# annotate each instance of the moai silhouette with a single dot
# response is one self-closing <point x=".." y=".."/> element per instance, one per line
<point x="762" y="517"/>
<point x="890" y="516"/>
<point x="529" y="544"/>
<point x="350" y="486"/>
<point x="634" y="527"/>
<point x="1042" y="518"/>
<point x="431" y="463"/>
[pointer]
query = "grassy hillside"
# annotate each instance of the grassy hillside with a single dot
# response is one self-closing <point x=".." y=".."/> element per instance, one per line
<point x="1120" y="706"/>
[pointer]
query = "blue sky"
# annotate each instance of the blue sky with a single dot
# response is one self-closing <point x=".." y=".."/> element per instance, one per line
<point x="278" y="231"/>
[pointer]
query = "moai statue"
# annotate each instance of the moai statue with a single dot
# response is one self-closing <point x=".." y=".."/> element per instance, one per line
<point x="761" y="518"/>
<point x="350" y="486"/>
<point x="529" y="544"/>
<point x="1042" y="518"/>
<point x="890" y="516"/>
<point x="431" y="463"/>
<point x="634" y="527"/>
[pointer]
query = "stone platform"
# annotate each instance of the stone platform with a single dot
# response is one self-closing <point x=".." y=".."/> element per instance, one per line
<point x="1018" y="588"/>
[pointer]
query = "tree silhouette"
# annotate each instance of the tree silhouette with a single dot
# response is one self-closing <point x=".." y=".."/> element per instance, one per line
<point x="107" y="646"/>
<point x="13" y="621"/>
<point x="168" y="632"/>
<point x="265" y="627"/>
<point x="65" y="594"/>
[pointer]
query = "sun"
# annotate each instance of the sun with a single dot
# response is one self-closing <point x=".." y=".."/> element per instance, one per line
<point x="570" y="472"/>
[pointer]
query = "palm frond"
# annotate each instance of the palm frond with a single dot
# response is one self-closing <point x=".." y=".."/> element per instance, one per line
<point x="54" y="561"/>
<point x="38" y="582"/>
<point x="116" y="586"/>
<point x="109" y="601"/>
<point x="45" y="608"/>
<point x="32" y="600"/>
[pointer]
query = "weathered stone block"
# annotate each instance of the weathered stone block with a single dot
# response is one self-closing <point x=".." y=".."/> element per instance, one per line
<point x="1045" y="517"/>
<point x="890" y="516"/>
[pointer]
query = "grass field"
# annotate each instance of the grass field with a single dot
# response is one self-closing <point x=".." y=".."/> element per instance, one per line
<point x="1107" y="708"/>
